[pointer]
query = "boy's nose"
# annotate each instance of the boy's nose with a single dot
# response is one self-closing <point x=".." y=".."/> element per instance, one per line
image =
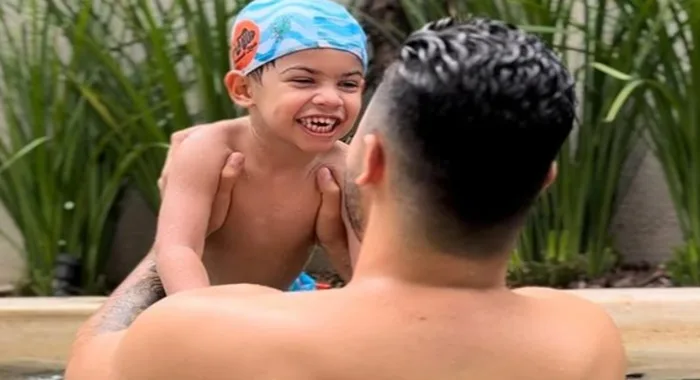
<point x="327" y="97"/>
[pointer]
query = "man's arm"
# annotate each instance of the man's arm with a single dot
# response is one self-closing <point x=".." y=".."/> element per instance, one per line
<point x="92" y="351"/>
<point x="218" y="332"/>
<point x="138" y="334"/>
<point x="186" y="210"/>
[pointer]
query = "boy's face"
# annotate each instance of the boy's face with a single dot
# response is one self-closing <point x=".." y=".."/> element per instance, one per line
<point x="310" y="98"/>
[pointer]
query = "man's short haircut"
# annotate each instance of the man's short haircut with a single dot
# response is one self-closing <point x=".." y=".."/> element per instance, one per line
<point x="475" y="113"/>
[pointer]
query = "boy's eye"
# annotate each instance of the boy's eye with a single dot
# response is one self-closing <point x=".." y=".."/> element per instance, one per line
<point x="302" y="80"/>
<point x="349" y="84"/>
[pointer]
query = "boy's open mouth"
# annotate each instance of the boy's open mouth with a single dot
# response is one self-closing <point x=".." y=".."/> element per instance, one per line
<point x="319" y="125"/>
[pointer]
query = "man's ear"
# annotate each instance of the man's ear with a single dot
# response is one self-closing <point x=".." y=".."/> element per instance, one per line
<point x="239" y="89"/>
<point x="551" y="176"/>
<point x="373" y="161"/>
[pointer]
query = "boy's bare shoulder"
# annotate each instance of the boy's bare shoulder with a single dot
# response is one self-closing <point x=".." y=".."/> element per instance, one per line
<point x="341" y="147"/>
<point x="204" y="147"/>
<point x="228" y="131"/>
<point x="338" y="153"/>
<point x="335" y="158"/>
<point x="238" y="123"/>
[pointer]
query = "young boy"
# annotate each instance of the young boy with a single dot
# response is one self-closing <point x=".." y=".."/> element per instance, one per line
<point x="298" y="68"/>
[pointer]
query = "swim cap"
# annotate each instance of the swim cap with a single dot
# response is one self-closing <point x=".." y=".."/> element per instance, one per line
<point x="265" y="30"/>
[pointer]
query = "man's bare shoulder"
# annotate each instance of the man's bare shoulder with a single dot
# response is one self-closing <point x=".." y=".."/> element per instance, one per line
<point x="558" y="297"/>
<point x="590" y="332"/>
<point x="231" y="292"/>
<point x="559" y="302"/>
<point x="219" y="332"/>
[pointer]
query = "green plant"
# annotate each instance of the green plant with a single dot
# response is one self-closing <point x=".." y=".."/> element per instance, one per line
<point x="59" y="174"/>
<point x="673" y="121"/>
<point x="572" y="218"/>
<point x="162" y="70"/>
<point x="89" y="117"/>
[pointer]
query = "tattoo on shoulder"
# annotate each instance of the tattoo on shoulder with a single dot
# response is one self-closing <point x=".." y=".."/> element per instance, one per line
<point x="123" y="309"/>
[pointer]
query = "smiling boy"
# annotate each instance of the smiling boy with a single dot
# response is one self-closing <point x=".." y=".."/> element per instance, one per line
<point x="298" y="68"/>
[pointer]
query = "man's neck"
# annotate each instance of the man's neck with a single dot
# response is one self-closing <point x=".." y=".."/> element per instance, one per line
<point x="273" y="153"/>
<point x="388" y="252"/>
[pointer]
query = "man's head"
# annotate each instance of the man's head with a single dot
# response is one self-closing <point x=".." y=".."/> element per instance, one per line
<point x="461" y="135"/>
<point x="298" y="66"/>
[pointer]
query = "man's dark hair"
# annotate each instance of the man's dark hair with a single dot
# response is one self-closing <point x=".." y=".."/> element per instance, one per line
<point x="477" y="112"/>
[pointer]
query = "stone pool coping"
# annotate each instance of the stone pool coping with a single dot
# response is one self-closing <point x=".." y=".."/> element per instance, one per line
<point x="660" y="328"/>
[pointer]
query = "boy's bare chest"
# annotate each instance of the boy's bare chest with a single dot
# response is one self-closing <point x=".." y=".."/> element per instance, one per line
<point x="282" y="209"/>
<point x="267" y="234"/>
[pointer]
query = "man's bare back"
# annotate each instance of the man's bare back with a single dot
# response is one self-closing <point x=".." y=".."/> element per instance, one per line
<point x="269" y="230"/>
<point x="383" y="330"/>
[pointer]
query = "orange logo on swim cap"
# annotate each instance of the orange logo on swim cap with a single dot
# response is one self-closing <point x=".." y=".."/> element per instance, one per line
<point x="244" y="43"/>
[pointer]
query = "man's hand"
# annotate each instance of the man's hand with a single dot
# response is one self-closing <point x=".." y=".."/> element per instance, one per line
<point x="222" y="200"/>
<point x="175" y="140"/>
<point x="228" y="177"/>
<point x="330" y="229"/>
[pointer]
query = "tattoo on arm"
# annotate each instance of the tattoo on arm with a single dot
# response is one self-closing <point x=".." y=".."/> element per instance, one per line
<point x="127" y="303"/>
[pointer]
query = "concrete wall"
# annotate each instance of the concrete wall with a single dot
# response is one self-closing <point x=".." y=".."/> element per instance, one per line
<point x="11" y="263"/>
<point x="645" y="226"/>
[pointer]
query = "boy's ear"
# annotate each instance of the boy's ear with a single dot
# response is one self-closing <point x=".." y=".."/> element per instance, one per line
<point x="239" y="88"/>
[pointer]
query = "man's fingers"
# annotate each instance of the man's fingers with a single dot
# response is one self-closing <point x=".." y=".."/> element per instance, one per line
<point x="229" y="174"/>
<point x="329" y="225"/>
<point x="231" y="171"/>
<point x="175" y="140"/>
<point x="330" y="194"/>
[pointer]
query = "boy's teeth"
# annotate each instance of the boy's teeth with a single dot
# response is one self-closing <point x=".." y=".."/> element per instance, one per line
<point x="318" y="124"/>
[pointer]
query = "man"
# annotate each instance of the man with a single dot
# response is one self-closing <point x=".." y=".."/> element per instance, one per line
<point x="456" y="144"/>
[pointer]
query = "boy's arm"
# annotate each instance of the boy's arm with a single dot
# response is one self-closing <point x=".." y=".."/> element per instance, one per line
<point x="186" y="209"/>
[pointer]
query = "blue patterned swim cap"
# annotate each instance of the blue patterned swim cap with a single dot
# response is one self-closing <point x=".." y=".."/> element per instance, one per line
<point x="265" y="30"/>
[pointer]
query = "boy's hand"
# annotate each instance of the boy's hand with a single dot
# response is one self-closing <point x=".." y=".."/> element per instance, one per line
<point x="330" y="229"/>
<point x="228" y="177"/>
